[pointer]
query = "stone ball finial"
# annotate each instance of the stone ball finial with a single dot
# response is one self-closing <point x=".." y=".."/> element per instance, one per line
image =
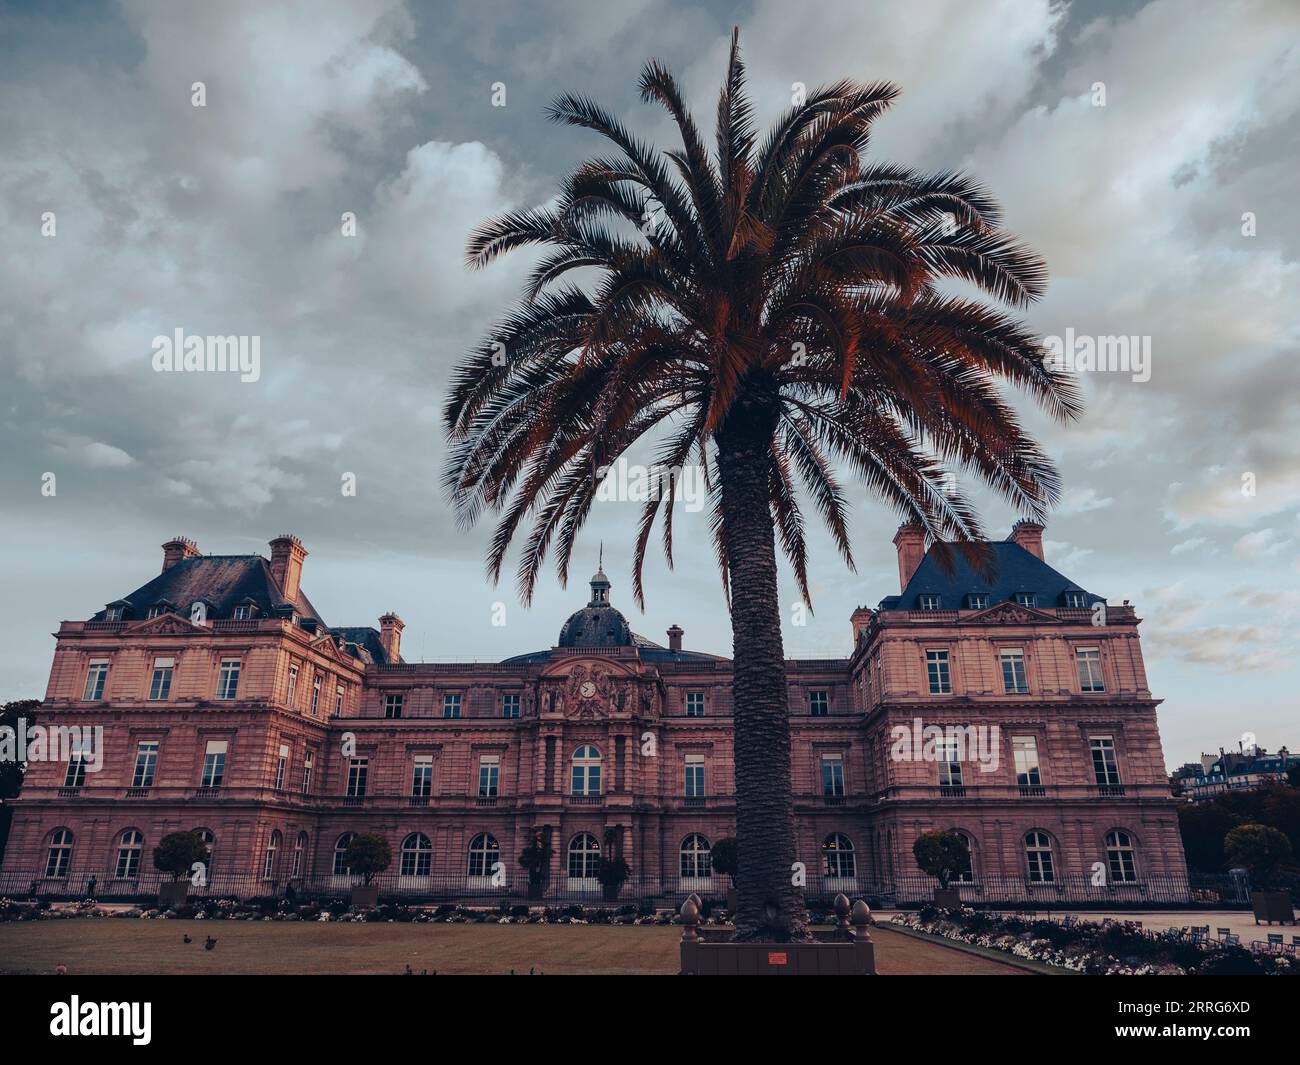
<point x="861" y="913"/>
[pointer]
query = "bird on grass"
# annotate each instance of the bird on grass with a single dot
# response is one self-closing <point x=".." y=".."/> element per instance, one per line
<point x="186" y="938"/>
<point x="209" y="943"/>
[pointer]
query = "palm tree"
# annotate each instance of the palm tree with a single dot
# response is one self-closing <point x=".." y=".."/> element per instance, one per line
<point x="769" y="311"/>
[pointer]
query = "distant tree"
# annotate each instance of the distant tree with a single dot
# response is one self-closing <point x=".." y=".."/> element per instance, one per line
<point x="1293" y="775"/>
<point x="11" y="769"/>
<point x="368" y="855"/>
<point x="1203" y="826"/>
<point x="613" y="871"/>
<point x="723" y="856"/>
<point x="536" y="857"/>
<point x="177" y="853"/>
<point x="1260" y="848"/>
<point x="942" y="855"/>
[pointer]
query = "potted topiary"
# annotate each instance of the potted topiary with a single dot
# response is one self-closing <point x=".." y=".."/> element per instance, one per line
<point x="611" y="873"/>
<point x="1263" y="850"/>
<point x="177" y="854"/>
<point x="367" y="856"/>
<point x="942" y="855"/>
<point x="723" y="858"/>
<point x="536" y="860"/>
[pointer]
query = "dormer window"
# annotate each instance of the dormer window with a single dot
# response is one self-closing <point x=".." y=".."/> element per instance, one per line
<point x="928" y="602"/>
<point x="1026" y="598"/>
<point x="157" y="610"/>
<point x="243" y="613"/>
<point x="113" y="613"/>
<point x="1076" y="600"/>
<point x="977" y="601"/>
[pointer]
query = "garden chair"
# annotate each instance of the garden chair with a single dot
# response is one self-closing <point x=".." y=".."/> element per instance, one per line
<point x="1224" y="932"/>
<point x="1275" y="943"/>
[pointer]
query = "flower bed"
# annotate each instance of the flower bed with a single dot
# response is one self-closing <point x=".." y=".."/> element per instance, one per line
<point x="1088" y="947"/>
<point x="277" y="909"/>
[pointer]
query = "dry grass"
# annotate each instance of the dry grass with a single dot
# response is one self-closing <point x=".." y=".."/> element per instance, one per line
<point x="132" y="947"/>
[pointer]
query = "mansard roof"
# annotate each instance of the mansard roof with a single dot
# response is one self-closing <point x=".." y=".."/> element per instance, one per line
<point x="222" y="582"/>
<point x="364" y="643"/>
<point x="1015" y="571"/>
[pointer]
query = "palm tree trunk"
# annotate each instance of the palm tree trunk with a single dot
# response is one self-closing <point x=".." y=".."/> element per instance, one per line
<point x="770" y="906"/>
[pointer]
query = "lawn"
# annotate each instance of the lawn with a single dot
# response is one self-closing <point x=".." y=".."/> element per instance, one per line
<point x="126" y="947"/>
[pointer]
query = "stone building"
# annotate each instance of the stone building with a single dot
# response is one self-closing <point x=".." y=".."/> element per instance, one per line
<point x="999" y="700"/>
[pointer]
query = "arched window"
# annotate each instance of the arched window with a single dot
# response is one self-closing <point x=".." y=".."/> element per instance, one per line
<point x="59" y="858"/>
<point x="697" y="861"/>
<point x="838" y="857"/>
<point x="1038" y="853"/>
<point x="340" y="853"/>
<point x="1119" y="856"/>
<point x="268" y="861"/>
<point x="484" y="853"/>
<point x="966" y="874"/>
<point x="584" y="857"/>
<point x="209" y="842"/>
<point x="128" y="854"/>
<point x="299" y="853"/>
<point x="417" y="855"/>
<point x="586" y="771"/>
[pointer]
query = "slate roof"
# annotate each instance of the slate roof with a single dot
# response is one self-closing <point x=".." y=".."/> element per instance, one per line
<point x="221" y="581"/>
<point x="1014" y="570"/>
<point x="362" y="641"/>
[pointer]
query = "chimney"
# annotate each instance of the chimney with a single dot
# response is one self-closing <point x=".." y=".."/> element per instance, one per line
<point x="910" y="541"/>
<point x="178" y="549"/>
<point x="675" y="634"/>
<point x="390" y="635"/>
<point x="861" y="620"/>
<point x="1029" y="535"/>
<point x="287" y="554"/>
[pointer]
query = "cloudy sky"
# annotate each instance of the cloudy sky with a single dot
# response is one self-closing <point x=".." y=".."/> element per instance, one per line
<point x="1169" y="212"/>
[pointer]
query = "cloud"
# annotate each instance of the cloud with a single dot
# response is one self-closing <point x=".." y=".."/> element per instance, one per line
<point x="1260" y="544"/>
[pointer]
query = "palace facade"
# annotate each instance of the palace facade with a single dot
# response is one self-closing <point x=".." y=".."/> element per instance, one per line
<point x="230" y="707"/>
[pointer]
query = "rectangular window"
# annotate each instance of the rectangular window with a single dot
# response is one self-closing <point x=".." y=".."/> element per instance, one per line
<point x="451" y="704"/>
<point x="510" y="704"/>
<point x="308" y="764"/>
<point x="1024" y="749"/>
<point x="114" y="613"/>
<point x="281" y="766"/>
<point x="695" y="776"/>
<point x="928" y="602"/>
<point x="228" y="680"/>
<point x="949" y="755"/>
<point x="146" y="760"/>
<point x="393" y="705"/>
<point x="936" y="666"/>
<point x="358" y="771"/>
<point x="160" y="687"/>
<point x="1014" y="681"/>
<point x="214" y="764"/>
<point x="243" y="613"/>
<point x="1076" y="600"/>
<point x="293" y="686"/>
<point x="96" y="675"/>
<point x="832" y="775"/>
<point x="153" y="612"/>
<point x="489" y="775"/>
<point x="977" y="601"/>
<point x="1089" y="659"/>
<point x="315" y="694"/>
<point x="338" y="701"/>
<point x="75" y="777"/>
<point x="422" y="777"/>
<point x="1026" y="598"/>
<point x="819" y="704"/>
<point x="694" y="704"/>
<point x="1105" y="768"/>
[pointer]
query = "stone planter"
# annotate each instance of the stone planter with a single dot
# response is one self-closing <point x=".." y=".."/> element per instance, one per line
<point x="846" y="951"/>
<point x="609" y="892"/>
<point x="947" y="898"/>
<point x="1270" y="906"/>
<point x="365" y="896"/>
<point x="173" y="893"/>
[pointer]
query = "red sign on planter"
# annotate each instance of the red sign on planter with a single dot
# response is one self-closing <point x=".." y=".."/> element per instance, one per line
<point x="777" y="958"/>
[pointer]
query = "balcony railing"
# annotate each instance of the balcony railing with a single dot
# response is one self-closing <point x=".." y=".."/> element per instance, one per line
<point x="211" y="792"/>
<point x="585" y="800"/>
<point x="833" y="800"/>
<point x="695" y="800"/>
<point x="70" y="793"/>
<point x="485" y="800"/>
<point x="137" y="792"/>
<point x="354" y="800"/>
<point x="952" y="791"/>
<point x="1032" y="791"/>
<point x="417" y="800"/>
<point x="1110" y="791"/>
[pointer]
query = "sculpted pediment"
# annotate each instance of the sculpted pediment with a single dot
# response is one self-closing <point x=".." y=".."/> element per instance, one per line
<point x="165" y="625"/>
<point x="1012" y="614"/>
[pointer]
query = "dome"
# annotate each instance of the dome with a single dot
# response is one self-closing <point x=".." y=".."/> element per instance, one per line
<point x="597" y="624"/>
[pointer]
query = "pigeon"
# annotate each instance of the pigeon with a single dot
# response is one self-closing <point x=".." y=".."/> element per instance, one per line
<point x="186" y="939"/>
<point x="408" y="972"/>
<point x="209" y="943"/>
